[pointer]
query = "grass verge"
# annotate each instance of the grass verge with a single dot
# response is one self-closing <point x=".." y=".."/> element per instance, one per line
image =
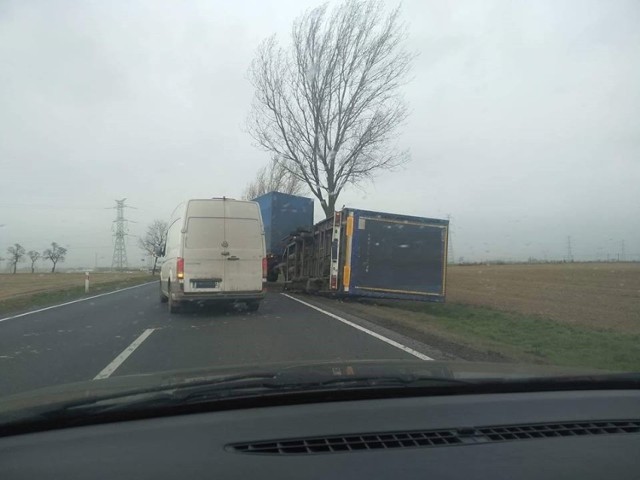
<point x="53" y="297"/>
<point x="526" y="337"/>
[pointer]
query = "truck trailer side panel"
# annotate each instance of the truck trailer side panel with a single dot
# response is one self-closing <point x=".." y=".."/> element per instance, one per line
<point x="362" y="253"/>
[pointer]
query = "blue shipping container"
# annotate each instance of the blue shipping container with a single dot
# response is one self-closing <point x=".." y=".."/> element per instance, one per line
<point x="283" y="214"/>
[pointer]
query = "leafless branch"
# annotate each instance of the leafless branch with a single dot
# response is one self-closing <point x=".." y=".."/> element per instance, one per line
<point x="55" y="254"/>
<point x="16" y="254"/>
<point x="274" y="177"/>
<point x="154" y="240"/>
<point x="329" y="106"/>
<point x="34" y="256"/>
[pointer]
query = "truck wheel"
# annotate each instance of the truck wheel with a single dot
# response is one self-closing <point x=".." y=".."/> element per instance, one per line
<point x="174" y="307"/>
<point x="253" y="306"/>
<point x="163" y="297"/>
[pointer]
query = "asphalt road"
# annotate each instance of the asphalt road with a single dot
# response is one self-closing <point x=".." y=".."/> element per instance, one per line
<point x="131" y="332"/>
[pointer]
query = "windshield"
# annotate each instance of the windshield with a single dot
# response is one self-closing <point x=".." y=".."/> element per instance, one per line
<point x="190" y="188"/>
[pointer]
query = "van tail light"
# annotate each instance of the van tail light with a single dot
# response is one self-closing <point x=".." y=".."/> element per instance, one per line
<point x="180" y="269"/>
<point x="264" y="267"/>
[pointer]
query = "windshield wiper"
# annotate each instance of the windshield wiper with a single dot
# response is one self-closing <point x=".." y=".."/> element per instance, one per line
<point x="244" y="386"/>
<point x="133" y="396"/>
<point x="201" y="393"/>
<point x="304" y="385"/>
<point x="206" y="393"/>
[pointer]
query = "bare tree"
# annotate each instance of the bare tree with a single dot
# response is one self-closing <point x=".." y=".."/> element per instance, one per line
<point x="16" y="254"/>
<point x="273" y="177"/>
<point x="56" y="254"/>
<point x="328" y="107"/>
<point x="34" y="256"/>
<point x="154" y="240"/>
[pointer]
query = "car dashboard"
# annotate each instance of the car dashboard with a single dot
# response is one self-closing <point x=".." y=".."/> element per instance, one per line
<point x="570" y="434"/>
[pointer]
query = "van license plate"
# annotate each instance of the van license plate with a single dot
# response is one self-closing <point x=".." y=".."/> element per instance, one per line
<point x="205" y="283"/>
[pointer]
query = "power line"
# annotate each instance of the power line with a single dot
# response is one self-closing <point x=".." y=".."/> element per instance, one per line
<point x="120" y="229"/>
<point x="569" y="251"/>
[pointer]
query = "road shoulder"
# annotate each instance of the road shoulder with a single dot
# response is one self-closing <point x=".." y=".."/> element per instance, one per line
<point x="12" y="307"/>
<point x="381" y="326"/>
<point x="410" y="327"/>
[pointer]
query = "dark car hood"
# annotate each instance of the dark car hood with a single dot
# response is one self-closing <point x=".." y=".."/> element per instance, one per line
<point x="131" y="384"/>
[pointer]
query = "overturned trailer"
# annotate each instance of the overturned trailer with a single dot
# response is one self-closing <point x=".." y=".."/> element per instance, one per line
<point x="369" y="254"/>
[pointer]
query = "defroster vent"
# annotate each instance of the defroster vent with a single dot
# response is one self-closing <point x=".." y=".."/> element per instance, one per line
<point x="435" y="438"/>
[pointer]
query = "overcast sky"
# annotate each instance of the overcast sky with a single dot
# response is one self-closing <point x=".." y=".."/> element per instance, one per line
<point x="524" y="126"/>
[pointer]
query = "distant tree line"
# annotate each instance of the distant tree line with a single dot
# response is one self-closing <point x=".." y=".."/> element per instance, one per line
<point x="17" y="254"/>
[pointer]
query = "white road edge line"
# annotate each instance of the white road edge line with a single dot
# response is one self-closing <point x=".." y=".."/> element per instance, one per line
<point x="119" y="360"/>
<point x="74" y="301"/>
<point x="410" y="351"/>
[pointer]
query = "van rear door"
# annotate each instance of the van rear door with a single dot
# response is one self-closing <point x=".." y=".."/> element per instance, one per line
<point x="204" y="259"/>
<point x="245" y="247"/>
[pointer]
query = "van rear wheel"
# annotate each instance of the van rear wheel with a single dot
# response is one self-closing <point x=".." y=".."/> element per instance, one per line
<point x="163" y="297"/>
<point x="174" y="307"/>
<point x="272" y="276"/>
<point x="253" y="306"/>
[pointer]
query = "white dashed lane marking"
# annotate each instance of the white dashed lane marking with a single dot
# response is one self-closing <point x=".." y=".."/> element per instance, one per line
<point x="119" y="360"/>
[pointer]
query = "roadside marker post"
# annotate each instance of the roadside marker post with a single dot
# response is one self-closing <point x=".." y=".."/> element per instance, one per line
<point x="86" y="282"/>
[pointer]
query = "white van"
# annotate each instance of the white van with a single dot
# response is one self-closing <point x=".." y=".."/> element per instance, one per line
<point x="215" y="251"/>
